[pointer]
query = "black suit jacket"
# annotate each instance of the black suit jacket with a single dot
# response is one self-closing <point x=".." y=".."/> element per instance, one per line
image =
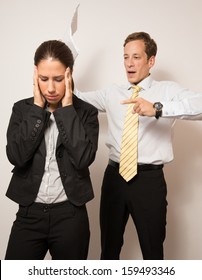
<point x="76" y="149"/>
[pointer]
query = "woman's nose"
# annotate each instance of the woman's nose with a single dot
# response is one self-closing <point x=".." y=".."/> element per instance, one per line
<point x="51" y="87"/>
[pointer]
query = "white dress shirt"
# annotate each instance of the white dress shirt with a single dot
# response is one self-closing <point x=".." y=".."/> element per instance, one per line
<point x="154" y="135"/>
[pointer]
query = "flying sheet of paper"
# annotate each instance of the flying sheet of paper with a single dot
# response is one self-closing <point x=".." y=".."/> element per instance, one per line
<point x="72" y="29"/>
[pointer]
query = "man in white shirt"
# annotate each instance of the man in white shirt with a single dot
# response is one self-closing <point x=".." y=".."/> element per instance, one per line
<point x="144" y="196"/>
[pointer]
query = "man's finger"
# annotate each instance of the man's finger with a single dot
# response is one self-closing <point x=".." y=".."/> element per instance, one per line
<point x="129" y="101"/>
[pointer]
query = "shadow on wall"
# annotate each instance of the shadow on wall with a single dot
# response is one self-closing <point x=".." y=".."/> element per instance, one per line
<point x="184" y="188"/>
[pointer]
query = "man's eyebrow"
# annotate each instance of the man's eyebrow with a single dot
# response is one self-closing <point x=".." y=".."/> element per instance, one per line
<point x="125" y="54"/>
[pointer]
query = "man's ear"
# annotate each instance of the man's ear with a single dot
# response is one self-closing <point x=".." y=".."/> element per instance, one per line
<point x="151" y="61"/>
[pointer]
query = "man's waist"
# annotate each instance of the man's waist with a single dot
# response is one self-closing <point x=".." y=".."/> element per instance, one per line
<point x="140" y="167"/>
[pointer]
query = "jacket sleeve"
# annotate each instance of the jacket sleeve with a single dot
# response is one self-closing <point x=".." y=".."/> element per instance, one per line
<point x="25" y="132"/>
<point x="78" y="133"/>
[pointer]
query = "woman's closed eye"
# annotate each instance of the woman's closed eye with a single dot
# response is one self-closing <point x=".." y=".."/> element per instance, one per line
<point x="56" y="79"/>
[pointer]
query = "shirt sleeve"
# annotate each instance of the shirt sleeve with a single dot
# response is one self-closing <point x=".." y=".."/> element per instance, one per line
<point x="78" y="133"/>
<point x="182" y="103"/>
<point x="97" y="98"/>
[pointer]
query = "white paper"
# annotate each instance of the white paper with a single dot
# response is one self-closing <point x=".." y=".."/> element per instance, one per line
<point x="71" y="30"/>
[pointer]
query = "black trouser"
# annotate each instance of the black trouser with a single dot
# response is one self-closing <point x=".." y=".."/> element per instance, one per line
<point x="61" y="228"/>
<point x="144" y="198"/>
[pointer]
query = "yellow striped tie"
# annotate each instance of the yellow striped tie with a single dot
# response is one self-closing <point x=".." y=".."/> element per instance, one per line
<point x="129" y="144"/>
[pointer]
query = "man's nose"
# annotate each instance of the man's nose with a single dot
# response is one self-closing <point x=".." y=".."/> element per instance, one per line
<point x="130" y="62"/>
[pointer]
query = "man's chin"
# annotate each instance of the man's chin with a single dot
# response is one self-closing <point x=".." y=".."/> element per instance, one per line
<point x="132" y="80"/>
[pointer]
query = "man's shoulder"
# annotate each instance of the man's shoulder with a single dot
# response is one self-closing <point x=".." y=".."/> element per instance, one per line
<point x="164" y="83"/>
<point x="119" y="86"/>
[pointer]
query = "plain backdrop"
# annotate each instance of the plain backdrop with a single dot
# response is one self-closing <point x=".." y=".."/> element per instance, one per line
<point x="102" y="28"/>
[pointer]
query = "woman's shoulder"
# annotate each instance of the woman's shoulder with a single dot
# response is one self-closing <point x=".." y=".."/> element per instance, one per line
<point x="77" y="102"/>
<point x="25" y="101"/>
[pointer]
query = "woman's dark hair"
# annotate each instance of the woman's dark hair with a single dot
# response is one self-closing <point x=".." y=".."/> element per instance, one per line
<point x="55" y="49"/>
<point x="150" y="44"/>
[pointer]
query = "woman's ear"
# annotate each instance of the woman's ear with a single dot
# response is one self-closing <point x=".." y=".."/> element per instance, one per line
<point x="72" y="84"/>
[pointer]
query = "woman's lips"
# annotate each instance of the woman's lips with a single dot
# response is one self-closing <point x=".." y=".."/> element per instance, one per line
<point x="52" y="97"/>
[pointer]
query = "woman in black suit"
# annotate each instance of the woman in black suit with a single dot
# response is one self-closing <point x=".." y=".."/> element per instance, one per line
<point x="52" y="139"/>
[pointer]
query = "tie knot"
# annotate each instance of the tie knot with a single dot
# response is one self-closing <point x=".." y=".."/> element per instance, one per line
<point x="136" y="90"/>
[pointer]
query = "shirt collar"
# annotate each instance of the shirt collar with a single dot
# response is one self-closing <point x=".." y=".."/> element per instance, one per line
<point x="144" y="84"/>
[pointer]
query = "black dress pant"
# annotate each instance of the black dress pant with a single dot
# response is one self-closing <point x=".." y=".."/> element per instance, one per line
<point x="61" y="228"/>
<point x="144" y="198"/>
